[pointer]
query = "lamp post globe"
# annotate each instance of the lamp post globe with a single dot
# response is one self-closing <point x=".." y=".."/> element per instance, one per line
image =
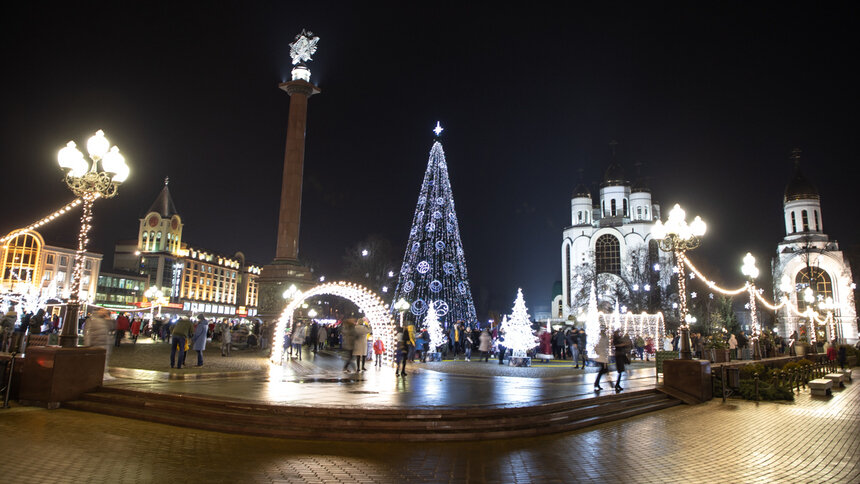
<point x="89" y="181"/>
<point x="677" y="236"/>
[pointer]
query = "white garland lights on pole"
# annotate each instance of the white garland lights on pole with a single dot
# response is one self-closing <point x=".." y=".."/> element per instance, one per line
<point x="592" y="323"/>
<point x="434" y="329"/>
<point x="518" y="330"/>
<point x="374" y="309"/>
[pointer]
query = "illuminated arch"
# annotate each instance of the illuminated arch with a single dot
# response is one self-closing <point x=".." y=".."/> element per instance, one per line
<point x="369" y="303"/>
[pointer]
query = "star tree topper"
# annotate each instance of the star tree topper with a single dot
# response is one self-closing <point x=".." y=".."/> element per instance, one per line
<point x="304" y="47"/>
<point x="438" y="129"/>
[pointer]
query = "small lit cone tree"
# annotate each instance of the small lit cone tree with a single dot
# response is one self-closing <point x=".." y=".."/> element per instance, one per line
<point x="592" y="323"/>
<point x="518" y="329"/>
<point x="434" y="329"/>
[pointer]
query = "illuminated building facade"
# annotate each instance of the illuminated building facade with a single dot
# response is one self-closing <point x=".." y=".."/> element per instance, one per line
<point x="196" y="280"/>
<point x="120" y="291"/>
<point x="808" y="259"/>
<point x="28" y="261"/>
<point x="609" y="243"/>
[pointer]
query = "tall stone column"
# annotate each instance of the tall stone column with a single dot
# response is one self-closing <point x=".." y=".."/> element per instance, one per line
<point x="286" y="270"/>
<point x="294" y="158"/>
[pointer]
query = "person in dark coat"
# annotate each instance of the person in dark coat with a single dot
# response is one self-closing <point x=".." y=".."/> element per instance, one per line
<point x="314" y="334"/>
<point x="36" y="322"/>
<point x="622" y="349"/>
<point x="582" y="348"/>
<point x="198" y="339"/>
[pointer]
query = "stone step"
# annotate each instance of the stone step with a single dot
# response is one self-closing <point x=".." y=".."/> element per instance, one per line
<point x="275" y="417"/>
<point x="387" y="425"/>
<point x="346" y="434"/>
<point x="358" y="412"/>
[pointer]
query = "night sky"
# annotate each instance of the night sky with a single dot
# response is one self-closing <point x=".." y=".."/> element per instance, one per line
<point x="710" y="97"/>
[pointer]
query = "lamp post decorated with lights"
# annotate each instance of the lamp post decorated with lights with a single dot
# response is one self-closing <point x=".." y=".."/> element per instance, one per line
<point x="402" y="306"/>
<point x="828" y="306"/>
<point x="751" y="271"/>
<point x="153" y="295"/>
<point x="678" y="237"/>
<point x="89" y="181"/>
<point x="809" y="298"/>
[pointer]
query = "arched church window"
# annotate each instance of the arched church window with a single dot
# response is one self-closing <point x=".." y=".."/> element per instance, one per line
<point x="816" y="278"/>
<point x="805" y="218"/>
<point x="646" y="212"/>
<point x="624" y="205"/>
<point x="815" y="214"/>
<point x="612" y="207"/>
<point x="793" y="223"/>
<point x="604" y="207"/>
<point x="639" y="213"/>
<point x="607" y="255"/>
<point x="579" y="214"/>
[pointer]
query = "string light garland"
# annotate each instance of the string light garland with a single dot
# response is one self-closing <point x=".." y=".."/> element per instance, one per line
<point x="50" y="218"/>
<point x="711" y="284"/>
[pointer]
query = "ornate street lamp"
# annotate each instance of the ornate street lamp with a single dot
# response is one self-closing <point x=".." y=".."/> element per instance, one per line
<point x="751" y="271"/>
<point x="153" y="295"/>
<point x="89" y="182"/>
<point x="402" y="305"/>
<point x="678" y="237"/>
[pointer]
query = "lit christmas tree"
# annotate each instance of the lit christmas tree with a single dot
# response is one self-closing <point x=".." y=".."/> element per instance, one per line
<point x="434" y="266"/>
<point x="518" y="329"/>
<point x="434" y="329"/>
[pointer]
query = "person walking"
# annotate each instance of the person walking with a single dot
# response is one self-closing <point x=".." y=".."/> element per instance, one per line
<point x="602" y="359"/>
<point x="322" y="337"/>
<point x="181" y="332"/>
<point x="581" y="347"/>
<point x="733" y="346"/>
<point x="226" y="337"/>
<point x="198" y="340"/>
<point x="7" y="326"/>
<point x="97" y="333"/>
<point x="298" y="339"/>
<point x="359" y="344"/>
<point x="347" y="335"/>
<point x="622" y="345"/>
<point x="485" y="344"/>
<point x="378" y="350"/>
<point x="399" y="351"/>
<point x="135" y="330"/>
<point x="467" y="342"/>
<point x="122" y="325"/>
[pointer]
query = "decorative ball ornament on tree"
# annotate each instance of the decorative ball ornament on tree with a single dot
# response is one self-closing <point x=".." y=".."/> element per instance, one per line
<point x="434" y="265"/>
<point x="434" y="329"/>
<point x="518" y="329"/>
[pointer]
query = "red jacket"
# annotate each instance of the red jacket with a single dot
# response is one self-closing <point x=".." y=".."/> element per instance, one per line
<point x="378" y="347"/>
<point x="122" y="323"/>
<point x="135" y="327"/>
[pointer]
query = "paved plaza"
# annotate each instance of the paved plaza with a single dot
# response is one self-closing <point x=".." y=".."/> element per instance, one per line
<point x="811" y="440"/>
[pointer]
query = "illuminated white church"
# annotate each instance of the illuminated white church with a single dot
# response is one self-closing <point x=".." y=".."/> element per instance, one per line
<point x="609" y="242"/>
<point x="809" y="268"/>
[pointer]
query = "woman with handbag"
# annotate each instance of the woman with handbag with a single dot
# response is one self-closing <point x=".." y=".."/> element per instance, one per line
<point x="622" y="348"/>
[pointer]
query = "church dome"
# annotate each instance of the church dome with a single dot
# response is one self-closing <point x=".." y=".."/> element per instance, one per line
<point x="581" y="191"/>
<point x="614" y="174"/>
<point x="799" y="187"/>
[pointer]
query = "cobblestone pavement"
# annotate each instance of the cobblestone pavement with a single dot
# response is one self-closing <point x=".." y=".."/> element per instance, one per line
<point x="147" y="355"/>
<point x="813" y="439"/>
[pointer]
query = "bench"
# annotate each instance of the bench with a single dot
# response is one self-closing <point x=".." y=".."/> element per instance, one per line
<point x="846" y="375"/>
<point x="836" y="378"/>
<point x="821" y="386"/>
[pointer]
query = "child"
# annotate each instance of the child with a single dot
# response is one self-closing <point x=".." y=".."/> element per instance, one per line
<point x="378" y="350"/>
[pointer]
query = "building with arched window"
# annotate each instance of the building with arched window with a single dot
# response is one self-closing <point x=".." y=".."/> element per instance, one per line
<point x="808" y="258"/>
<point x="27" y="261"/>
<point x="609" y="243"/>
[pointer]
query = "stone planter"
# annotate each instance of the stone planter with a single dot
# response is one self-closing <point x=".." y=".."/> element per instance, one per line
<point x="800" y="349"/>
<point x="720" y="356"/>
